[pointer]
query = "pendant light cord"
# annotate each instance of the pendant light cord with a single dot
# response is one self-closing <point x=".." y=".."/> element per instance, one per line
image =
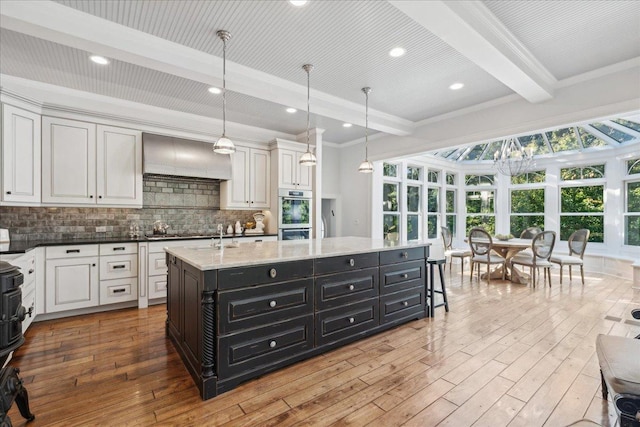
<point x="308" y="106"/>
<point x="224" y="87"/>
<point x="366" y="126"/>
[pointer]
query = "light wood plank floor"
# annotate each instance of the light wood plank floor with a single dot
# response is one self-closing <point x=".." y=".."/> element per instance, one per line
<point x="504" y="355"/>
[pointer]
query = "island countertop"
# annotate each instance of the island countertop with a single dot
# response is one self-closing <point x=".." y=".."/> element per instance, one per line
<point x="206" y="257"/>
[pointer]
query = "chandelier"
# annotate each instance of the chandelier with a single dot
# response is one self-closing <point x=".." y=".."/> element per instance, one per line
<point x="512" y="159"/>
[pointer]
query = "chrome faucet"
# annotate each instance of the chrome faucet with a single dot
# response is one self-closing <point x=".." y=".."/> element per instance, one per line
<point x="219" y="245"/>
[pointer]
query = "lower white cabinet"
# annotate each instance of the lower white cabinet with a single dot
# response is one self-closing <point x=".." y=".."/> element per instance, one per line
<point x="118" y="272"/>
<point x="71" y="281"/>
<point x="27" y="264"/>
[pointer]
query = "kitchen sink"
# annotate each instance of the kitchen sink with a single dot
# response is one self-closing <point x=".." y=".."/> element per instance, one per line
<point x="178" y="236"/>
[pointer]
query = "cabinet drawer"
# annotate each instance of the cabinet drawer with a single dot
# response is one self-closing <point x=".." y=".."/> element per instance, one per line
<point x="157" y="286"/>
<point x="29" y="303"/>
<point x="402" y="255"/>
<point x="261" y="347"/>
<point x="118" y="248"/>
<point x="240" y="277"/>
<point x="157" y="263"/>
<point x="402" y="304"/>
<point x="118" y="267"/>
<point x="260" y="305"/>
<point x="338" y="289"/>
<point x="118" y="290"/>
<point x="397" y="277"/>
<point x="71" y="251"/>
<point x="345" y="263"/>
<point x="343" y="322"/>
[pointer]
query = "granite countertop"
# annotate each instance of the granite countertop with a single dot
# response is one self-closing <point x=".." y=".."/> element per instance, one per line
<point x="208" y="258"/>
<point x="21" y="246"/>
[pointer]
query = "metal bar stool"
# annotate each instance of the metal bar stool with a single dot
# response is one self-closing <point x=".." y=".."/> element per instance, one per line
<point x="440" y="262"/>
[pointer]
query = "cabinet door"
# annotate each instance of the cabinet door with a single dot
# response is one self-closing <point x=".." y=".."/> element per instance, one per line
<point x="288" y="168"/>
<point x="68" y="161"/>
<point x="259" y="178"/>
<point x="21" y="143"/>
<point x="304" y="174"/>
<point x="71" y="283"/>
<point x="237" y="190"/>
<point x="119" y="166"/>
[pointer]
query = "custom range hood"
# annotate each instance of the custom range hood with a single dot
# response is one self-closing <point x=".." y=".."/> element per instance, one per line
<point x="165" y="155"/>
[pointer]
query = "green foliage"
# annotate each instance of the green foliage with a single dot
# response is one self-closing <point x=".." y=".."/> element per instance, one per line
<point x="480" y="202"/>
<point x="582" y="199"/>
<point x="451" y="223"/>
<point x="432" y="226"/>
<point x="389" y="169"/>
<point x="479" y="179"/>
<point x="571" y="223"/>
<point x="413" y="198"/>
<point x="586" y="172"/>
<point x="413" y="227"/>
<point x="432" y="199"/>
<point x="590" y="140"/>
<point x="633" y="166"/>
<point x="451" y="179"/>
<point x="450" y="201"/>
<point x="628" y="123"/>
<point x="563" y="139"/>
<point x="390" y="197"/>
<point x="612" y="133"/>
<point x="633" y="196"/>
<point x="527" y="201"/>
<point x="433" y="176"/>
<point x="535" y="142"/>
<point x="632" y="227"/>
<point x="390" y="226"/>
<point x="519" y="223"/>
<point x="533" y="177"/>
<point x="486" y="222"/>
<point x="413" y="172"/>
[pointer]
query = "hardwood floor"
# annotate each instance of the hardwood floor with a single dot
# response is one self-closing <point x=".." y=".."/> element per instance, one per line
<point x="504" y="355"/>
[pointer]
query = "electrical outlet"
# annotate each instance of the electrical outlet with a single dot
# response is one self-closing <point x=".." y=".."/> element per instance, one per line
<point x="101" y="229"/>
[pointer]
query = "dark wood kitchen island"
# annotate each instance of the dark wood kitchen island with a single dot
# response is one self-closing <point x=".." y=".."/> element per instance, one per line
<point x="238" y="313"/>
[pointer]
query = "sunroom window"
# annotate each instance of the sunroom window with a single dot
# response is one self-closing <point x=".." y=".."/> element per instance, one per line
<point x="632" y="205"/>
<point x="582" y="206"/>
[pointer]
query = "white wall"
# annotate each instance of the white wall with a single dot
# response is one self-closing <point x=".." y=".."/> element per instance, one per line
<point x="355" y="190"/>
<point x="330" y="171"/>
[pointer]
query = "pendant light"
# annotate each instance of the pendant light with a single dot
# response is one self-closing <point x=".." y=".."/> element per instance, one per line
<point x="224" y="145"/>
<point x="366" y="166"/>
<point x="308" y="158"/>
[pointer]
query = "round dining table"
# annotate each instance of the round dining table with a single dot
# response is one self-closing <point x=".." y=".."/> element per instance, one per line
<point x="508" y="249"/>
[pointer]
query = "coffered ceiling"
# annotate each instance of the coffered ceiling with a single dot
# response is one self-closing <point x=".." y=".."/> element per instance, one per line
<point x="166" y="54"/>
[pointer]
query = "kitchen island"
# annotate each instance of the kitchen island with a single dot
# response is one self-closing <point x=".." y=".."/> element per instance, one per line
<point x="237" y="313"/>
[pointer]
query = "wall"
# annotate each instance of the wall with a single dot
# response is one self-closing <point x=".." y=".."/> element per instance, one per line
<point x="187" y="205"/>
<point x="331" y="171"/>
<point x="355" y="191"/>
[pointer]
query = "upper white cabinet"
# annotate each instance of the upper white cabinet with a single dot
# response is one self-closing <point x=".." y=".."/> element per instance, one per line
<point x="250" y="180"/>
<point x="88" y="164"/>
<point x="20" y="156"/>
<point x="290" y="173"/>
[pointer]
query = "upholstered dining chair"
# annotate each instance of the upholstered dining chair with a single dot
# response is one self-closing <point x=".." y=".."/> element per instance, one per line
<point x="577" y="245"/>
<point x="541" y="249"/>
<point x="530" y="233"/>
<point x="481" y="244"/>
<point x="451" y="252"/>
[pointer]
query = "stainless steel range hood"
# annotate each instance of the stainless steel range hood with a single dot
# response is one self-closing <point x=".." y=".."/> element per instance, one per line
<point x="165" y="155"/>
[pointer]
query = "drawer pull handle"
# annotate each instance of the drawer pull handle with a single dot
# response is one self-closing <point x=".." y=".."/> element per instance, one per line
<point x="352" y="262"/>
<point x="272" y="304"/>
<point x="115" y="267"/>
<point x="272" y="344"/>
<point x="31" y="271"/>
<point x="273" y="273"/>
<point x="405" y="303"/>
<point x="351" y="287"/>
<point x="351" y="320"/>
<point x="404" y="275"/>
<point x="73" y="251"/>
<point x="405" y="254"/>
<point x="119" y="291"/>
<point x="119" y="248"/>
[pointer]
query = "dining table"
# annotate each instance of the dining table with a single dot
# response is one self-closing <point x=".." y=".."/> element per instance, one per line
<point x="508" y="249"/>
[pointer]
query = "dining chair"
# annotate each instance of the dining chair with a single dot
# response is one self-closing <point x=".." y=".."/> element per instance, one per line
<point x="541" y="249"/>
<point x="577" y="245"/>
<point x="530" y="233"/>
<point x="481" y="247"/>
<point x="450" y="252"/>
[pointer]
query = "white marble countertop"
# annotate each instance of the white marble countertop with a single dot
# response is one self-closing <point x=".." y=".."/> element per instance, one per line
<point x="205" y="257"/>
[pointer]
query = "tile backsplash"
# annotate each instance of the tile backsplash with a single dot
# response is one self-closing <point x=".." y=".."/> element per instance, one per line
<point x="188" y="205"/>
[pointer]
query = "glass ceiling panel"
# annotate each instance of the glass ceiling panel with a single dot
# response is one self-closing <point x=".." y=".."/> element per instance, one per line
<point x="475" y="152"/>
<point x="589" y="140"/>
<point x="455" y="156"/>
<point x="612" y="133"/>
<point x="563" y="140"/>
<point x="446" y="153"/>
<point x="628" y="123"/>
<point x="536" y="142"/>
<point x="493" y="147"/>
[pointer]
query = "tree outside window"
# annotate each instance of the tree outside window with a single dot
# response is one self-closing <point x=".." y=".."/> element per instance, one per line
<point x="450" y="211"/>
<point x="391" y="217"/>
<point x="582" y="207"/>
<point x="632" y="205"/>
<point x="481" y="210"/>
<point x="433" y="207"/>
<point x="413" y="212"/>
<point x="527" y="210"/>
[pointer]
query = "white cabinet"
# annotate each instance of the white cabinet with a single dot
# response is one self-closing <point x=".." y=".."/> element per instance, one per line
<point x="250" y="180"/>
<point x="21" y="144"/>
<point x="90" y="165"/>
<point x="118" y="272"/>
<point x="27" y="264"/>
<point x="71" y="277"/>
<point x="291" y="174"/>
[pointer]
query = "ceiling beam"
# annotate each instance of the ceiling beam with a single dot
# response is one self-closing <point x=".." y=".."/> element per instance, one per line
<point x="474" y="31"/>
<point x="64" y="25"/>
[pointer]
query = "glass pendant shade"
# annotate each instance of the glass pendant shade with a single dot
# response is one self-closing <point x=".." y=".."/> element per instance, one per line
<point x="224" y="145"/>
<point x="366" y="166"/>
<point x="308" y="158"/>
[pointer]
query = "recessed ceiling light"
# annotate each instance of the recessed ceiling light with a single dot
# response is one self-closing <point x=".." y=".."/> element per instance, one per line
<point x="291" y="110"/>
<point x="215" y="90"/>
<point x="298" y="2"/>
<point x="456" y="86"/>
<point x="346" y="125"/>
<point x="397" y="51"/>
<point x="99" y="59"/>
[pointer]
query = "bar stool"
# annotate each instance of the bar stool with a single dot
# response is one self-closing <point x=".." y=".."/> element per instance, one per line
<point x="433" y="262"/>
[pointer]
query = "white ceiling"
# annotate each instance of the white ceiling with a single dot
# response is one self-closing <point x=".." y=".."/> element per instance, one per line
<point x="166" y="54"/>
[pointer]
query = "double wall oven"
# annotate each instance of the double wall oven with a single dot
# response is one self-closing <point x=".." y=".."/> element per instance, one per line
<point x="294" y="214"/>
